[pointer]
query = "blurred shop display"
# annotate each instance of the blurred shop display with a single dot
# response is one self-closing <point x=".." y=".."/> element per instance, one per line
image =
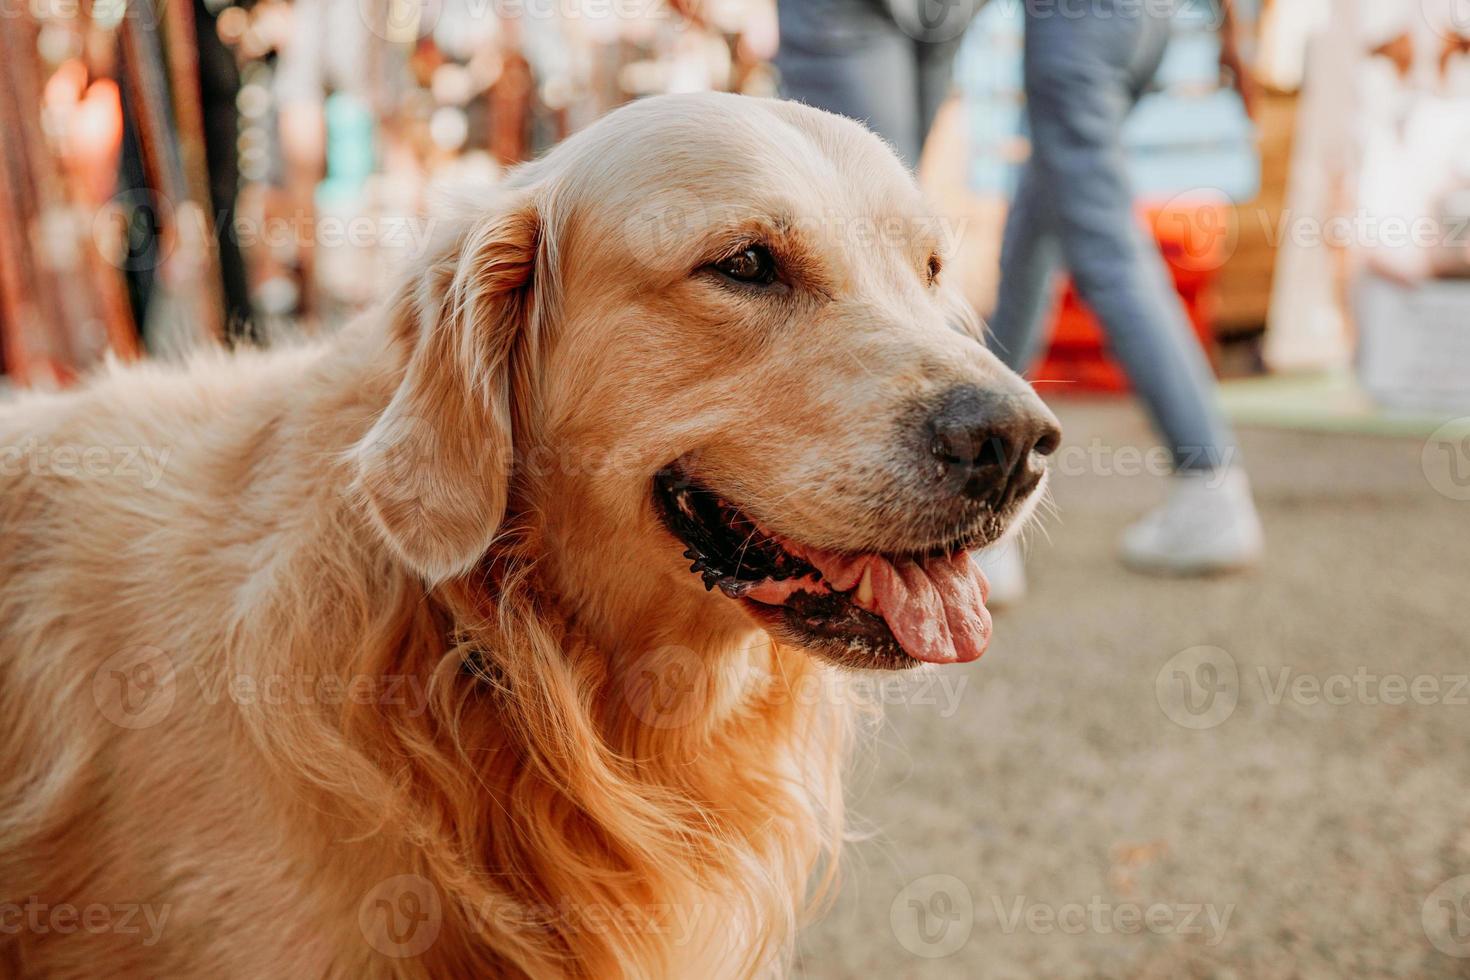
<point x="174" y="173"/>
<point x="1192" y="152"/>
<point x="178" y="172"/>
<point x="1376" y="259"/>
<point x="62" y="304"/>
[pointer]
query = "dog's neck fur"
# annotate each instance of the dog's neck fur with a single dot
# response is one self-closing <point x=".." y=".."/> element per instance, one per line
<point x="504" y="754"/>
<point x="569" y="824"/>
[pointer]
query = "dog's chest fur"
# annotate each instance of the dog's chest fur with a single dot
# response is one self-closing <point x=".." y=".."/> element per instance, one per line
<point x="260" y="811"/>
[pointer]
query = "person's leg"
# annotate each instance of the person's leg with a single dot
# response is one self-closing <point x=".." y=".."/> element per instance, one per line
<point x="1080" y="86"/>
<point x="849" y="57"/>
<point x="1083" y="74"/>
<point x="1029" y="258"/>
<point x="935" y="80"/>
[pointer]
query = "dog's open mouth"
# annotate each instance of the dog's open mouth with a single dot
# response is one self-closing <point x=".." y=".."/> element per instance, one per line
<point x="868" y="610"/>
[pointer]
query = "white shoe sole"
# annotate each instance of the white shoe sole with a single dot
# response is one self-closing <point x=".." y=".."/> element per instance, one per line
<point x="1182" y="566"/>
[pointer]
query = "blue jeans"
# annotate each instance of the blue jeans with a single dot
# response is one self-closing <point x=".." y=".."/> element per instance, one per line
<point x="1086" y="66"/>
<point x="852" y="57"/>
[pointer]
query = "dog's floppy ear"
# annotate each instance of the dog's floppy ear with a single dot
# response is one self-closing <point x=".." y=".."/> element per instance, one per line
<point x="435" y="468"/>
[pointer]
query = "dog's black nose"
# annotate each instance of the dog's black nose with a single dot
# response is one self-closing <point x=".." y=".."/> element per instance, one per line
<point x="992" y="444"/>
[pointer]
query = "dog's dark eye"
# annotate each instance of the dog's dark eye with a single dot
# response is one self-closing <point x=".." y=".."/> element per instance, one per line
<point x="752" y="264"/>
<point x="933" y="269"/>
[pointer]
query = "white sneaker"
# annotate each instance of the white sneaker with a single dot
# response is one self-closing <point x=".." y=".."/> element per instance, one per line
<point x="1006" y="571"/>
<point x="1208" y="524"/>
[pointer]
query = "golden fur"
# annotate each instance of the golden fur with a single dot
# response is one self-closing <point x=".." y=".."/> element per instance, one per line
<point x="395" y="602"/>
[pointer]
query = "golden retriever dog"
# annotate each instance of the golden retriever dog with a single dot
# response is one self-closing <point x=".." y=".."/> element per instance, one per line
<point x="506" y="631"/>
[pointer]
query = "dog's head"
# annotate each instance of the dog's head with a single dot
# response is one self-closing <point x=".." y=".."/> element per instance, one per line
<point x="707" y="345"/>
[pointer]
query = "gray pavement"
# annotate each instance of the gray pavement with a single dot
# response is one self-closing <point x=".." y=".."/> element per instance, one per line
<point x="1100" y="797"/>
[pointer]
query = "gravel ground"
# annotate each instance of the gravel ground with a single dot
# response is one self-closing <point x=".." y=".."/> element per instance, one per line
<point x="1059" y="810"/>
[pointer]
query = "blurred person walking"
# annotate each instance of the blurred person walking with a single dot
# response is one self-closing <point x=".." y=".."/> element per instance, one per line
<point x="886" y="63"/>
<point x="1086" y="66"/>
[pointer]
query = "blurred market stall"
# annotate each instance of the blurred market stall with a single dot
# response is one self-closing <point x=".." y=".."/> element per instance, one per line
<point x="302" y="139"/>
<point x="174" y="173"/>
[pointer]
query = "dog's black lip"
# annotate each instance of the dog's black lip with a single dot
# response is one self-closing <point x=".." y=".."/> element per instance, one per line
<point x="725" y="555"/>
<point x="674" y="478"/>
<point x="826" y="623"/>
<point x="872" y="646"/>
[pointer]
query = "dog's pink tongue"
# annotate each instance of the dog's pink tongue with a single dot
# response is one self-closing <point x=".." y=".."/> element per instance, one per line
<point x="936" y="610"/>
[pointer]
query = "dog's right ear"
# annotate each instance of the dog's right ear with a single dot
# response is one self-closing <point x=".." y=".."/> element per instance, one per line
<point x="434" y="470"/>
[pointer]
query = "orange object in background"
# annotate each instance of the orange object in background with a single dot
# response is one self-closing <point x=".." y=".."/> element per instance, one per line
<point x="1196" y="238"/>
